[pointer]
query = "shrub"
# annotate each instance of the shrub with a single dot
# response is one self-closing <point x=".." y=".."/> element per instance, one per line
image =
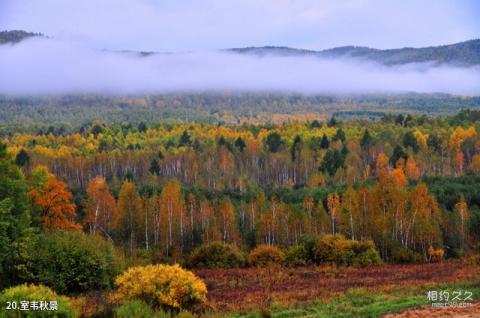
<point x="333" y="249"/>
<point x="266" y="313"/>
<point x="185" y="314"/>
<point x="265" y="255"/>
<point x="296" y="256"/>
<point x="34" y="293"/>
<point x="309" y="243"/>
<point x="338" y="250"/>
<point x="455" y="253"/>
<point x="402" y="255"/>
<point x="166" y="287"/>
<point x="216" y="255"/>
<point x="365" y="253"/>
<point x="137" y="309"/>
<point x="473" y="259"/>
<point x="435" y="254"/>
<point x="79" y="305"/>
<point x="93" y="304"/>
<point x="72" y="262"/>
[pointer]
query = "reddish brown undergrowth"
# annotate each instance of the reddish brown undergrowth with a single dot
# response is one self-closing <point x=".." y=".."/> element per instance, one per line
<point x="246" y="289"/>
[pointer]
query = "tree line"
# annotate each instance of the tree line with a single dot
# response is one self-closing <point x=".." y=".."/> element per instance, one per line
<point x="164" y="191"/>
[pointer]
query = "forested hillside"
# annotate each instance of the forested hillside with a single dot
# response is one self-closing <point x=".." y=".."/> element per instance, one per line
<point x="15" y="36"/>
<point x="239" y="159"/>
<point x="460" y="54"/>
<point x="464" y="53"/>
<point x="258" y="195"/>
<point x="408" y="183"/>
<point x="70" y="113"/>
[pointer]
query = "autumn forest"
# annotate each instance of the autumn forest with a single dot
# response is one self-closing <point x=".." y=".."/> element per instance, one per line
<point x="239" y="159"/>
<point x="359" y="192"/>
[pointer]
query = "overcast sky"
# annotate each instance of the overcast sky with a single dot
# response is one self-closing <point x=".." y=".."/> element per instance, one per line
<point x="79" y="56"/>
<point x="184" y="25"/>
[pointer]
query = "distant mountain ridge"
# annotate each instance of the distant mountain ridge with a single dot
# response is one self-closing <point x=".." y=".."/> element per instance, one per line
<point x="459" y="54"/>
<point x="16" y="36"/>
<point x="463" y="54"/>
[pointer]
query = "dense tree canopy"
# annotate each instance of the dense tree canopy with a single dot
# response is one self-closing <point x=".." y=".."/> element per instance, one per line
<point x="409" y="184"/>
<point x="14" y="221"/>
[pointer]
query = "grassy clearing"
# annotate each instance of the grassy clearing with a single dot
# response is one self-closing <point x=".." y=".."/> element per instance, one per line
<point x="363" y="303"/>
<point x="244" y="290"/>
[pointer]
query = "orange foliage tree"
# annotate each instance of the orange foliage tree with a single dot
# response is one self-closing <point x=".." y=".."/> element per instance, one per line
<point x="129" y="221"/>
<point x="172" y="215"/>
<point x="423" y="220"/>
<point x="475" y="165"/>
<point x="100" y="207"/>
<point x="350" y="213"/>
<point x="411" y="169"/>
<point x="53" y="201"/>
<point x="226" y="221"/>
<point x="333" y="203"/>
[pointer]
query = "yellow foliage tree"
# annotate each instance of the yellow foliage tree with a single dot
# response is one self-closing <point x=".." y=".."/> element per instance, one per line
<point x="421" y="139"/>
<point x="172" y="214"/>
<point x="458" y="136"/>
<point x="333" y="203"/>
<point x="475" y="165"/>
<point x="226" y="221"/>
<point x="129" y="214"/>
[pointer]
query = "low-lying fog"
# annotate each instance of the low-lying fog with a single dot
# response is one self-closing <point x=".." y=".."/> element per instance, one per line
<point x="47" y="66"/>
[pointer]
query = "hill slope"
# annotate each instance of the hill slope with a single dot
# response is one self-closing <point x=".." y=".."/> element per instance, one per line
<point x="464" y="53"/>
<point x="15" y="36"/>
<point x="461" y="54"/>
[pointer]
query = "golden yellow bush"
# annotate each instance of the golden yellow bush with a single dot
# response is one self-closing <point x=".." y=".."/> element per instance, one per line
<point x="168" y="287"/>
<point x="265" y="255"/>
<point x="21" y="293"/>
